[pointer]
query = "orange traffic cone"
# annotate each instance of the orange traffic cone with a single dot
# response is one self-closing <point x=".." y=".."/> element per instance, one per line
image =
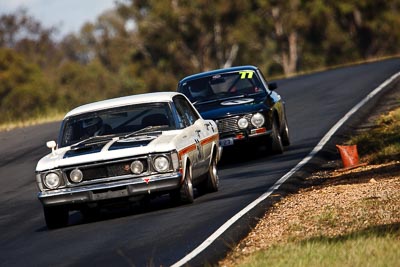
<point x="349" y="157"/>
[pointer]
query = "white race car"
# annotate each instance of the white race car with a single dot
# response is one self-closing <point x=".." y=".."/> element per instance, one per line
<point x="125" y="149"/>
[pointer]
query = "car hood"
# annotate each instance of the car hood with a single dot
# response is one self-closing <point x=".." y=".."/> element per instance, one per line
<point x="215" y="109"/>
<point x="108" y="150"/>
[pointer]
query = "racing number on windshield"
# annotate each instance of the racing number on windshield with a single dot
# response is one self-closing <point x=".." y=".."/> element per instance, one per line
<point x="246" y="74"/>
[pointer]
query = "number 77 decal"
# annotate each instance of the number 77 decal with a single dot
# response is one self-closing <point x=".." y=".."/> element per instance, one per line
<point x="248" y="73"/>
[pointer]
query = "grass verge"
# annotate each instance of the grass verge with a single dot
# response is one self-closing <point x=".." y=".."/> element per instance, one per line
<point x="372" y="247"/>
<point x="381" y="143"/>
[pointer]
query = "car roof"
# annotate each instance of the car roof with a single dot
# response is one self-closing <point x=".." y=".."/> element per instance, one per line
<point x="124" y="101"/>
<point x="218" y="71"/>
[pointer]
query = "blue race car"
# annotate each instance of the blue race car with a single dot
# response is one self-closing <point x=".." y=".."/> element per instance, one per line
<point x="244" y="105"/>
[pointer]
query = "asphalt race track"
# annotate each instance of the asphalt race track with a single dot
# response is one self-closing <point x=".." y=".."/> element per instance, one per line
<point x="162" y="234"/>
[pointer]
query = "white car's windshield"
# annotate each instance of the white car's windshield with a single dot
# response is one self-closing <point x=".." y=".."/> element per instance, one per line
<point x="224" y="85"/>
<point x="119" y="121"/>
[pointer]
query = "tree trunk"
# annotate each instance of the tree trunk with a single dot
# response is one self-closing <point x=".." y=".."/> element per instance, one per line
<point x="218" y="43"/>
<point x="287" y="44"/>
<point x="232" y="56"/>
<point x="290" y="58"/>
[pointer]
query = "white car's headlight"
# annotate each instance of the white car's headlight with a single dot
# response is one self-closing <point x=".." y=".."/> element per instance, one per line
<point x="137" y="167"/>
<point x="76" y="176"/>
<point x="243" y="123"/>
<point x="161" y="164"/>
<point x="257" y="120"/>
<point x="52" y="180"/>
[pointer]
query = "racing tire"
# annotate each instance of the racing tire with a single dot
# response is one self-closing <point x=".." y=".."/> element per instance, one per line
<point x="184" y="194"/>
<point x="275" y="140"/>
<point x="285" y="134"/>
<point x="186" y="191"/>
<point x="56" y="217"/>
<point x="211" y="183"/>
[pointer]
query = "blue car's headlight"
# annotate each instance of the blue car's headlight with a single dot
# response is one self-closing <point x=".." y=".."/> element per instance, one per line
<point x="242" y="123"/>
<point x="257" y="120"/>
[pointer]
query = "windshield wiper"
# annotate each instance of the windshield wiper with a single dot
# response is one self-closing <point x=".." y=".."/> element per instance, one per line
<point x="200" y="102"/>
<point x="84" y="141"/>
<point x="145" y="129"/>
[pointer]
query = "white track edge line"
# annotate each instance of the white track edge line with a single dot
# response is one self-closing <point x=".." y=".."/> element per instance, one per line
<point x="278" y="183"/>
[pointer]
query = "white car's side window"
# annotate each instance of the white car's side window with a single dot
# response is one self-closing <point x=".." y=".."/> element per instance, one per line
<point x="185" y="112"/>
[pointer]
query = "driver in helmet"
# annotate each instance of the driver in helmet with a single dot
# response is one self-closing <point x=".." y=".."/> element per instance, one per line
<point x="93" y="126"/>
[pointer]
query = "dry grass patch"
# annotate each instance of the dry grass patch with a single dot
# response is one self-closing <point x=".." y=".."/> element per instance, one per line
<point x="7" y="126"/>
<point x="380" y="143"/>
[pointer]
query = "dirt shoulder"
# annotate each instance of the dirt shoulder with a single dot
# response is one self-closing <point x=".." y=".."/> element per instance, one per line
<point x="339" y="203"/>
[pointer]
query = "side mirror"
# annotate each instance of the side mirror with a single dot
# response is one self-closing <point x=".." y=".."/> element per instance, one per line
<point x="52" y="145"/>
<point x="272" y="86"/>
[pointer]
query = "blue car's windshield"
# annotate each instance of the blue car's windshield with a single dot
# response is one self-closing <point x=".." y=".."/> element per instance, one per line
<point x="223" y="85"/>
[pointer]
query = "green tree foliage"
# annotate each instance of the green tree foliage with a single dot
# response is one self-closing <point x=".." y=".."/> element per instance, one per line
<point x="183" y="37"/>
<point x="79" y="84"/>
<point x="148" y="45"/>
<point x="24" y="91"/>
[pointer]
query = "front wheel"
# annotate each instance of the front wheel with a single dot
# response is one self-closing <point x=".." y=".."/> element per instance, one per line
<point x="185" y="193"/>
<point x="275" y="140"/>
<point x="285" y="134"/>
<point x="56" y="217"/>
<point x="211" y="183"/>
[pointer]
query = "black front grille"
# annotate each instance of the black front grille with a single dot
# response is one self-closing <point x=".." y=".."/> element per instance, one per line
<point x="230" y="124"/>
<point x="94" y="173"/>
<point x="119" y="169"/>
<point x="108" y="170"/>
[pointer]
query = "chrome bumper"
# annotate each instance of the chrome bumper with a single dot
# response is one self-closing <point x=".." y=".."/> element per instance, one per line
<point x="110" y="190"/>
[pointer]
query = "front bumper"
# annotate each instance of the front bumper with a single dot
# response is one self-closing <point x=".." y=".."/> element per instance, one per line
<point x="228" y="139"/>
<point x="111" y="190"/>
